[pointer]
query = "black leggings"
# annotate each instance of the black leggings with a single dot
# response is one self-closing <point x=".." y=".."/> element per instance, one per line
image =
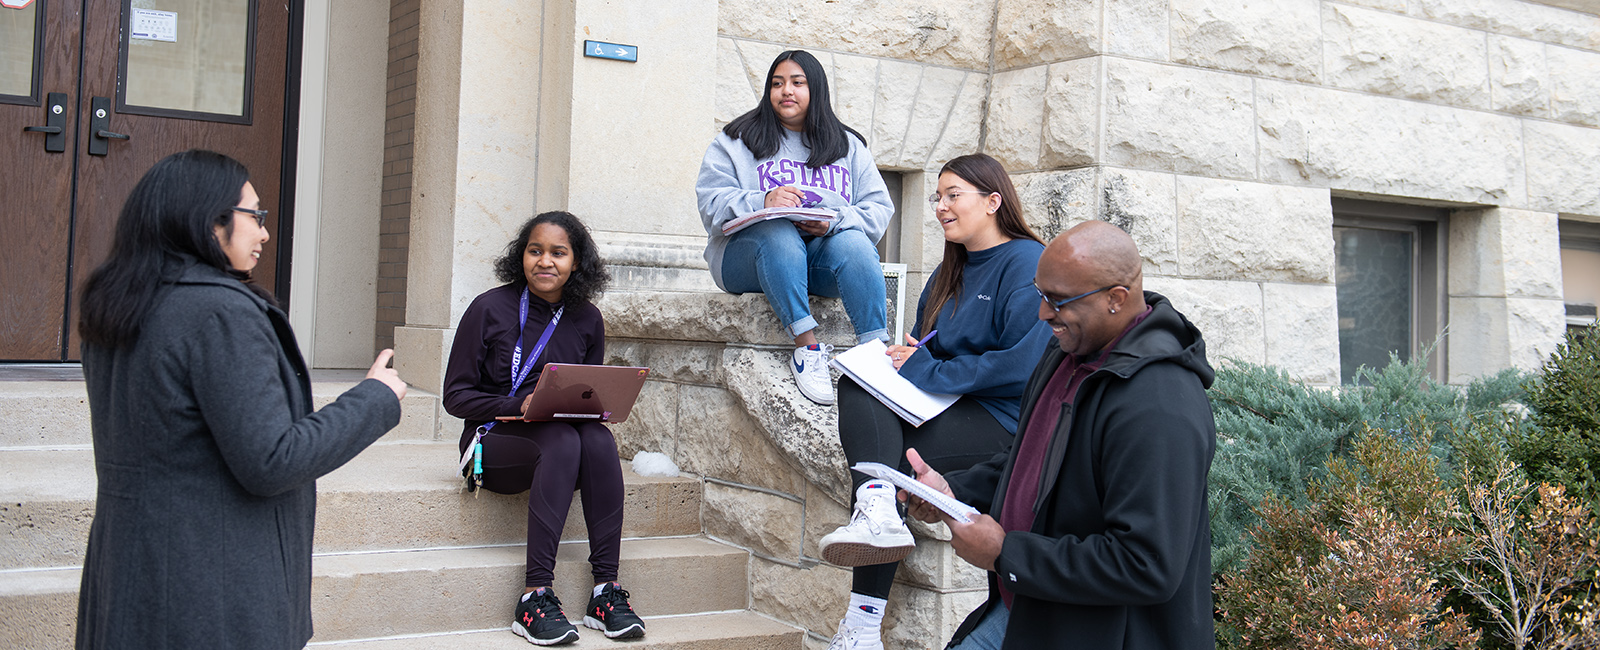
<point x="962" y="436"/>
<point x="549" y="460"/>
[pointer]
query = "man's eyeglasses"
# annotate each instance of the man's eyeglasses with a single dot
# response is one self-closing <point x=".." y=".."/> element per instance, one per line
<point x="1058" y="304"/>
<point x="260" y="215"/>
<point x="936" y="200"/>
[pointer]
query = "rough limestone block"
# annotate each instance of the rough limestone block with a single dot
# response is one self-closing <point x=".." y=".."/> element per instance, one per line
<point x="1172" y="118"/>
<point x="716" y="438"/>
<point x="764" y="523"/>
<point x="1055" y="201"/>
<point x="1522" y="19"/>
<point x="951" y="33"/>
<point x="802" y="431"/>
<point x="936" y="98"/>
<point x="1396" y="6"/>
<point x="1518" y="76"/>
<point x="653" y="424"/>
<point x="1574" y="85"/>
<point x="714" y="317"/>
<point x="1144" y="204"/>
<point x="1273" y="38"/>
<point x="44" y="413"/>
<point x="668" y="360"/>
<point x="1500" y="252"/>
<point x="1236" y="231"/>
<point x="854" y="85"/>
<point x="1016" y="116"/>
<point x="934" y="565"/>
<point x="1072" y="114"/>
<point x="814" y="598"/>
<point x="756" y="58"/>
<point x="1563" y="168"/>
<point x="1138" y="28"/>
<point x="918" y="619"/>
<point x="1351" y="141"/>
<point x="1228" y="314"/>
<point x="735" y="95"/>
<point x="1534" y="327"/>
<point x="898" y="83"/>
<point x="961" y="129"/>
<point x="1030" y="32"/>
<point x="823" y="515"/>
<point x="1302" y="330"/>
<point x="1380" y="52"/>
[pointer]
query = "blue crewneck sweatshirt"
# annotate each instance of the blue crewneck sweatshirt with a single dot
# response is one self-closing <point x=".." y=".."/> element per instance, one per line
<point x="990" y="336"/>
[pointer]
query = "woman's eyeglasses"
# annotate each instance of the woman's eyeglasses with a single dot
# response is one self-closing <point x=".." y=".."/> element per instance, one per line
<point x="935" y="199"/>
<point x="260" y="215"/>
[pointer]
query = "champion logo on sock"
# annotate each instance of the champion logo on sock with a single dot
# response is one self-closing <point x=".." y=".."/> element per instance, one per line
<point x="869" y="609"/>
<point x="876" y="485"/>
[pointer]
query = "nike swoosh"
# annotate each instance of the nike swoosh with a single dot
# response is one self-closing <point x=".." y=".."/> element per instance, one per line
<point x="799" y="367"/>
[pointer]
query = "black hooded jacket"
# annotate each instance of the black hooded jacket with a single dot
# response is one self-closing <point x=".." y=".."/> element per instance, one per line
<point x="1119" y="555"/>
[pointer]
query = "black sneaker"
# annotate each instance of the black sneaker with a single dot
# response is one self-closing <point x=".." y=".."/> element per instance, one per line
<point x="540" y="621"/>
<point x="610" y="613"/>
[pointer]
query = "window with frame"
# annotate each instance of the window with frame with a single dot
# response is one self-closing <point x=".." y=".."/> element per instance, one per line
<point x="1580" y="273"/>
<point x="1389" y="273"/>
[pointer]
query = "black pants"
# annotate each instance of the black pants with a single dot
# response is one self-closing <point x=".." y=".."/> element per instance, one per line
<point x="549" y="460"/>
<point x="962" y="436"/>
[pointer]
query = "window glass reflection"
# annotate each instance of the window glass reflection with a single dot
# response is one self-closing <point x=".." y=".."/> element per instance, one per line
<point x="17" y="48"/>
<point x="1374" y="285"/>
<point x="187" y="55"/>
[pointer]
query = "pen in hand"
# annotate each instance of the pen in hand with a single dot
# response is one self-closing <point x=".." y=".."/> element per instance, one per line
<point x="925" y="339"/>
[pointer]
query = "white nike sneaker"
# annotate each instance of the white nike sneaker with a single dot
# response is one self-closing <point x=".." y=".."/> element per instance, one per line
<point x="857" y="638"/>
<point x="810" y="369"/>
<point x="875" y="534"/>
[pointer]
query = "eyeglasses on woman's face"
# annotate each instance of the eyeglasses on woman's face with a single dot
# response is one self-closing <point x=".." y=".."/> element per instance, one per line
<point x="936" y="199"/>
<point x="260" y="215"/>
<point x="1057" y="305"/>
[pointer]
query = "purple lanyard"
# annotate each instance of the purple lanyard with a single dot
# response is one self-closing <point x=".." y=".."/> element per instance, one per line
<point x="519" y="371"/>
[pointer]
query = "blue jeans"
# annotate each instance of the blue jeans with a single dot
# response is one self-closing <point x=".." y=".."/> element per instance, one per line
<point x="990" y="632"/>
<point x="772" y="258"/>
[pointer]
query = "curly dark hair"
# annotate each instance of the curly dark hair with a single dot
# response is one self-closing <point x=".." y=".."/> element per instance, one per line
<point x="589" y="275"/>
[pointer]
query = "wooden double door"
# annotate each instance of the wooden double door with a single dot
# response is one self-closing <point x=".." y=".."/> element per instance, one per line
<point x="94" y="92"/>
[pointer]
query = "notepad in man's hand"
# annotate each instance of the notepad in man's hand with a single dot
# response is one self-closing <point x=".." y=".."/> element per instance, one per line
<point x="957" y="510"/>
<point x="871" y="368"/>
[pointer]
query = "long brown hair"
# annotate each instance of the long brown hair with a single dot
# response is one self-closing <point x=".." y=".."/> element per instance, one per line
<point x="990" y="177"/>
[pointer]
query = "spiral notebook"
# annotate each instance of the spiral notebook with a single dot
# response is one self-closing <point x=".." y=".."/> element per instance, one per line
<point x="871" y="368"/>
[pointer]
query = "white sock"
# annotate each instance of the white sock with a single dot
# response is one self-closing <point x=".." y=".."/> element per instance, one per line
<point x="598" y="588"/>
<point x="874" y="488"/>
<point x="865" y="611"/>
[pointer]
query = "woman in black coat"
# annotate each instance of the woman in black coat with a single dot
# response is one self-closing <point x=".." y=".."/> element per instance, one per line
<point x="206" y="447"/>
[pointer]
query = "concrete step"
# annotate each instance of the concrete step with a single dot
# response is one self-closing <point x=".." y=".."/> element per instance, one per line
<point x="392" y="496"/>
<point x="56" y="413"/>
<point x="394" y="593"/>
<point x="719" y="631"/>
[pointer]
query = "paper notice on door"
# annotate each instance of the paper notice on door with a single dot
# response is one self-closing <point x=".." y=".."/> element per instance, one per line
<point x="152" y="25"/>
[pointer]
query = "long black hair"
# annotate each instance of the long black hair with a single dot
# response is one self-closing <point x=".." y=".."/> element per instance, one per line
<point x="761" y="131"/>
<point x="172" y="212"/>
<point x="990" y="177"/>
<point x="589" y="275"/>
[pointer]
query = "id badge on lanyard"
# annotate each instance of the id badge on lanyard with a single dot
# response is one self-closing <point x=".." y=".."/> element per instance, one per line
<point x="519" y="373"/>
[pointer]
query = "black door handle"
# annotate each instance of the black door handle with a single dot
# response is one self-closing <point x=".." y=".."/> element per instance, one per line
<point x="55" y="120"/>
<point x="100" y="131"/>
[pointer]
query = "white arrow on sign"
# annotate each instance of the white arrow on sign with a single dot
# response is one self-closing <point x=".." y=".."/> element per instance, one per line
<point x="15" y="4"/>
<point x="620" y="51"/>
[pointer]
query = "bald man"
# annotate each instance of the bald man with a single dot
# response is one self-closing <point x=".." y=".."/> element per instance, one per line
<point x="1096" y="534"/>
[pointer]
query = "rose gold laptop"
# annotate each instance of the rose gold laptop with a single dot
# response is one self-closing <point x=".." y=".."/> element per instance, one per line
<point x="571" y="391"/>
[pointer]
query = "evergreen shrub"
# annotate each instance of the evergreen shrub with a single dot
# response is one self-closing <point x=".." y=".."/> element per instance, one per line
<point x="1564" y="445"/>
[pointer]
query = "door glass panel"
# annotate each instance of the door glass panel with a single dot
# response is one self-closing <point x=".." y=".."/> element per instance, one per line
<point x="1373" y="271"/>
<point x="187" y="55"/>
<point x="18" y="43"/>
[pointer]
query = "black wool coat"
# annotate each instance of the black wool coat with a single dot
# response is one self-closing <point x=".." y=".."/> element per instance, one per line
<point x="207" y="452"/>
<point x="1119" y="555"/>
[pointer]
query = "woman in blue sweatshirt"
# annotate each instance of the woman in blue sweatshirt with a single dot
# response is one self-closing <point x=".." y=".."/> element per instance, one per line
<point x="982" y="304"/>
<point x="790" y="151"/>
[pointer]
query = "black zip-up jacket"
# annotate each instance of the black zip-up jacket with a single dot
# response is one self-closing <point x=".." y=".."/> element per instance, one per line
<point x="1119" y="555"/>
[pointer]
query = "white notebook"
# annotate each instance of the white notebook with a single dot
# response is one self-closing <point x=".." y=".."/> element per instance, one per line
<point x="871" y="368"/>
<point x="957" y="510"/>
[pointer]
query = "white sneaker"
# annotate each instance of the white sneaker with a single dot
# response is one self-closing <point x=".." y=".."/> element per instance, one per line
<point x="810" y="369"/>
<point x="856" y="638"/>
<point x="875" y="534"/>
